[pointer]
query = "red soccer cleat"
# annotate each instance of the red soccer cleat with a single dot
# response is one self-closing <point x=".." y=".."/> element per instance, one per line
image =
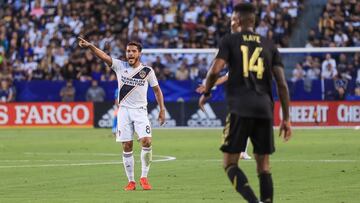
<point x="144" y="182"/>
<point x="130" y="186"/>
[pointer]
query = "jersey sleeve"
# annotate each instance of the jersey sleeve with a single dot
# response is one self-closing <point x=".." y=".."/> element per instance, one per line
<point x="117" y="64"/>
<point x="152" y="80"/>
<point x="223" y="49"/>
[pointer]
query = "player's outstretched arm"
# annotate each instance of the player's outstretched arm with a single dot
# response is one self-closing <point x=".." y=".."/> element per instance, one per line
<point x="283" y="92"/>
<point x="98" y="52"/>
<point x="160" y="100"/>
<point x="219" y="81"/>
<point x="211" y="78"/>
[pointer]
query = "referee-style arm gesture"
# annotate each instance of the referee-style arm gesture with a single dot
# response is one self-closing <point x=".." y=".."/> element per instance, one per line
<point x="98" y="52"/>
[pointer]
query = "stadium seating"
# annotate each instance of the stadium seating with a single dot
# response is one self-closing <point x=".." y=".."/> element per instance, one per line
<point x="40" y="36"/>
<point x="38" y="39"/>
<point x="338" y="26"/>
<point x="344" y="69"/>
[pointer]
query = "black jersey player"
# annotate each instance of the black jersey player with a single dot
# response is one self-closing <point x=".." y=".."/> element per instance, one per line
<point x="253" y="62"/>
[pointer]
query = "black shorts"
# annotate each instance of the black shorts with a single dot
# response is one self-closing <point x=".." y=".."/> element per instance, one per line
<point x="238" y="129"/>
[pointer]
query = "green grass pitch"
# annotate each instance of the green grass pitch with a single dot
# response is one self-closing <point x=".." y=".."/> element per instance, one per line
<point x="83" y="165"/>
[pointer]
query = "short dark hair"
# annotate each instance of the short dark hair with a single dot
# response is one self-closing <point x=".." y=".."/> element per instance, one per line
<point x="245" y="8"/>
<point x="137" y="44"/>
<point x="247" y="13"/>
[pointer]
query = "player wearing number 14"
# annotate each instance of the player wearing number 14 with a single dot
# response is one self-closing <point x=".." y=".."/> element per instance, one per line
<point x="253" y="61"/>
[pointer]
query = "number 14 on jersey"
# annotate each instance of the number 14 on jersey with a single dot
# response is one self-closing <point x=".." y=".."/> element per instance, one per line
<point x="249" y="65"/>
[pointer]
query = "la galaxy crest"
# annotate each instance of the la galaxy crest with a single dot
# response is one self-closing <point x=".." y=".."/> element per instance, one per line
<point x="142" y="74"/>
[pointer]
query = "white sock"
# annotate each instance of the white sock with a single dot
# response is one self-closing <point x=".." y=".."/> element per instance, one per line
<point x="128" y="161"/>
<point x="146" y="158"/>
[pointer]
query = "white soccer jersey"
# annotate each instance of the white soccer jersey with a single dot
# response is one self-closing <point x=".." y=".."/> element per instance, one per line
<point x="133" y="83"/>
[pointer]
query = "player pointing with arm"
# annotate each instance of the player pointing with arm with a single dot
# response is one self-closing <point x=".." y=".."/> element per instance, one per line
<point x="253" y="62"/>
<point x="133" y="80"/>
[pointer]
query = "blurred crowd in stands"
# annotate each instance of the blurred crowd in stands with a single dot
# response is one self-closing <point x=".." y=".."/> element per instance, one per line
<point x="38" y="38"/>
<point x="342" y="69"/>
<point x="339" y="25"/>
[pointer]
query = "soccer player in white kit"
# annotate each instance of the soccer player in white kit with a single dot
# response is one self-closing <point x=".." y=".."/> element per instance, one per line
<point x="133" y="81"/>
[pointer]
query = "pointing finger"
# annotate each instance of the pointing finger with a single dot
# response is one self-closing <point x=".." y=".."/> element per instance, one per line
<point x="81" y="39"/>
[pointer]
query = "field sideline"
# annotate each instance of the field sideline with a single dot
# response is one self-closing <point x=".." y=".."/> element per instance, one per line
<point x="84" y="165"/>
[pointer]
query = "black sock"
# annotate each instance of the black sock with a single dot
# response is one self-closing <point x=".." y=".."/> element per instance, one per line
<point x="266" y="188"/>
<point x="240" y="182"/>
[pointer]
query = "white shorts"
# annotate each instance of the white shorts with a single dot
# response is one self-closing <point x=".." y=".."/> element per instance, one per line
<point x="130" y="121"/>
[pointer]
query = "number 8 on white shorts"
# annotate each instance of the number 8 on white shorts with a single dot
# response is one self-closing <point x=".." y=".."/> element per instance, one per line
<point x="131" y="120"/>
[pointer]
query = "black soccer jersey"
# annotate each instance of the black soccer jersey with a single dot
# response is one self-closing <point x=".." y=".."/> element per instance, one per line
<point x="250" y="59"/>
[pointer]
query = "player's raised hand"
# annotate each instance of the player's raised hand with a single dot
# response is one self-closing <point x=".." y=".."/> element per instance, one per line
<point x="285" y="130"/>
<point x="161" y="117"/>
<point x="83" y="43"/>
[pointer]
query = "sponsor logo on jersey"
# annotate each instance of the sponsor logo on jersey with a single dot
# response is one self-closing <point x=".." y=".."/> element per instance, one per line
<point x="131" y="83"/>
<point x="204" y="119"/>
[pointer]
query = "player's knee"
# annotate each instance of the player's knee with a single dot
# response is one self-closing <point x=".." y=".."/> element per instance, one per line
<point x="226" y="165"/>
<point x="229" y="165"/>
<point x="263" y="170"/>
<point x="146" y="142"/>
<point x="263" y="164"/>
<point x="127" y="146"/>
<point x="230" y="159"/>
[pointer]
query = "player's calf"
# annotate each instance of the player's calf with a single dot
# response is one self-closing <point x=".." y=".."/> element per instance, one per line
<point x="128" y="162"/>
<point x="266" y="187"/>
<point x="240" y="182"/>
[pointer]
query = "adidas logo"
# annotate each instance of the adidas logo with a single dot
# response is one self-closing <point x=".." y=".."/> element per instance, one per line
<point x="106" y="120"/>
<point x="204" y="119"/>
<point x="154" y="114"/>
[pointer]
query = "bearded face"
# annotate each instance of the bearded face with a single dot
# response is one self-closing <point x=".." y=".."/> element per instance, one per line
<point x="132" y="54"/>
